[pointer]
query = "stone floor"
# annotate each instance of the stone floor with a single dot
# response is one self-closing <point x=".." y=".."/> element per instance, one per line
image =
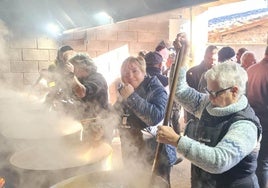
<point x="180" y="175"/>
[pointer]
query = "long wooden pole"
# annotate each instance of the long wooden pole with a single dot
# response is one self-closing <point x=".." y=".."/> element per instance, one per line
<point x="178" y="62"/>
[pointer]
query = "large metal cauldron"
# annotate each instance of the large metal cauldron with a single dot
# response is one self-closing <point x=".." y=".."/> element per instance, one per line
<point x="29" y="123"/>
<point x="46" y="165"/>
<point x="113" y="179"/>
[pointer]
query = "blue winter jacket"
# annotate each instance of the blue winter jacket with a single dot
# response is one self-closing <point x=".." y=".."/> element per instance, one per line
<point x="144" y="108"/>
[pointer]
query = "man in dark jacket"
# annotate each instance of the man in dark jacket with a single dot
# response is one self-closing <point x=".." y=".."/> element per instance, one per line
<point x="226" y="53"/>
<point x="194" y="75"/>
<point x="257" y="95"/>
<point x="89" y="87"/>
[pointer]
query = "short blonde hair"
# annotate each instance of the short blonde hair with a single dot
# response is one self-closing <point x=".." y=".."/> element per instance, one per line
<point x="139" y="61"/>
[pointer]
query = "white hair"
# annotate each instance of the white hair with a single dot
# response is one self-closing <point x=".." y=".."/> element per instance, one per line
<point x="228" y="74"/>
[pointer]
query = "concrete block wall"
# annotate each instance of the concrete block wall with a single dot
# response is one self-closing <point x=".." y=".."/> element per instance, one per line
<point x="109" y="45"/>
<point x="26" y="56"/>
<point x="137" y="34"/>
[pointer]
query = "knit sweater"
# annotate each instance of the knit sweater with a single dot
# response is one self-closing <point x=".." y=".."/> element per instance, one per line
<point x="240" y="140"/>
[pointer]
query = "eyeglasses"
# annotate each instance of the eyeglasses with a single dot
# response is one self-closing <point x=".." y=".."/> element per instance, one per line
<point x="216" y="93"/>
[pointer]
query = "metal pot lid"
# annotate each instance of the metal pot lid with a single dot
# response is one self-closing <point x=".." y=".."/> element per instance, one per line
<point x="60" y="156"/>
<point x="114" y="179"/>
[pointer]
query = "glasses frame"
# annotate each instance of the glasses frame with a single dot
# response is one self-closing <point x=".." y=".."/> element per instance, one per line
<point x="216" y="93"/>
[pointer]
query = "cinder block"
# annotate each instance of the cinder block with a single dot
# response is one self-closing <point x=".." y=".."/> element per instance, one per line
<point x="5" y="66"/>
<point x="161" y="36"/>
<point x="15" y="54"/>
<point x="31" y="66"/>
<point x="141" y="26"/>
<point x="80" y="35"/>
<point x="23" y="43"/>
<point x="138" y="46"/>
<point x="149" y="25"/>
<point x="127" y="36"/>
<point x="17" y="67"/>
<point x="97" y="45"/>
<point x="113" y="45"/>
<point x="24" y="66"/>
<point x="91" y="34"/>
<point x="47" y="43"/>
<point x="33" y="54"/>
<point x="146" y="37"/>
<point x="107" y="35"/>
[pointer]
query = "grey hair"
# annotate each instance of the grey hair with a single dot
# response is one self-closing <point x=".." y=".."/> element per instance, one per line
<point x="228" y="74"/>
<point x="84" y="60"/>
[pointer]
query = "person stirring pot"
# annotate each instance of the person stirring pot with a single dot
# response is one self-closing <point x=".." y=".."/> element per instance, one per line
<point x="225" y="145"/>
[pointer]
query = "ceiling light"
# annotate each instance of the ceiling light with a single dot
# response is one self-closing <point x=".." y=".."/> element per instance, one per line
<point x="53" y="29"/>
<point x="103" y="18"/>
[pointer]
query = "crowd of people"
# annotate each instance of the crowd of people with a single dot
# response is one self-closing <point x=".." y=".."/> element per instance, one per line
<point x="224" y="99"/>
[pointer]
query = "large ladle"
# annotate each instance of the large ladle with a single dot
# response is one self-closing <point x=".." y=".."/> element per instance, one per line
<point x="178" y="63"/>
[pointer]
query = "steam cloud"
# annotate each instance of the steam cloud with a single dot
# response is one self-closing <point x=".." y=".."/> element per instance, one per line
<point x="26" y="124"/>
<point x="3" y="47"/>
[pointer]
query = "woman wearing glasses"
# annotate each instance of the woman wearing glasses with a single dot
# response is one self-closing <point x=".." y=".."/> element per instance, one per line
<point x="224" y="147"/>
